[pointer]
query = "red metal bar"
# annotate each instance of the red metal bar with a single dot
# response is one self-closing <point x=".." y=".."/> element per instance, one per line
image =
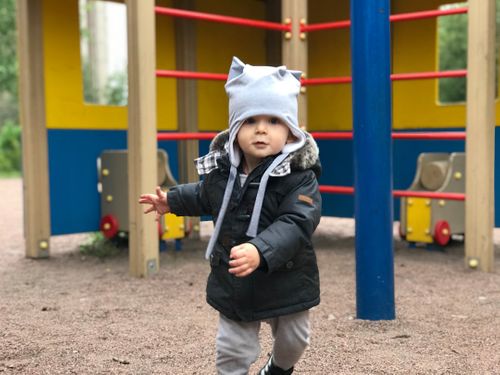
<point x="325" y="81"/>
<point x="336" y="189"/>
<point x="393" y="18"/>
<point x="429" y="75"/>
<point x="222" y="19"/>
<point x="192" y="75"/>
<point x="332" y="135"/>
<point x="451" y="136"/>
<point x="396" y="193"/>
<point x="426" y="14"/>
<point x="184" y="136"/>
<point x="428" y="194"/>
<point x="394" y="77"/>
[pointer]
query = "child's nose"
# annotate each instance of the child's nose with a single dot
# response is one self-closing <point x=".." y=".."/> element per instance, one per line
<point x="261" y="126"/>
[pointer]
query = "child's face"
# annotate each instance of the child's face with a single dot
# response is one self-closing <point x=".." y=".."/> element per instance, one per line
<point x="262" y="136"/>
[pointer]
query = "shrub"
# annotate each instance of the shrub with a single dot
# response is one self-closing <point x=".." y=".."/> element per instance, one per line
<point x="10" y="147"/>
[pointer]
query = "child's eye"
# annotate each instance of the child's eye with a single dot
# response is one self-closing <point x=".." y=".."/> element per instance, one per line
<point x="274" y="120"/>
<point x="250" y="120"/>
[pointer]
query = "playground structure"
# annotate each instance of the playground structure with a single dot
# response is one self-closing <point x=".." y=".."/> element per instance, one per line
<point x="113" y="177"/>
<point x="44" y="107"/>
<point x="428" y="220"/>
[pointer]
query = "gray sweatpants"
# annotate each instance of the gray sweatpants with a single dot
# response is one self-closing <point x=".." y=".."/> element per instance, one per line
<point x="238" y="342"/>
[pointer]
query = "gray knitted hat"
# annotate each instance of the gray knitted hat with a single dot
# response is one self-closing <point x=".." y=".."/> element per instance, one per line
<point x="254" y="91"/>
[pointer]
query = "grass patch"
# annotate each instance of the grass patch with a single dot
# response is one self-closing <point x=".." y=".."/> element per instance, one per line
<point x="101" y="247"/>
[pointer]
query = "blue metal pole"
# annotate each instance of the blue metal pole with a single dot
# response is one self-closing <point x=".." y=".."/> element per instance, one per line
<point x="372" y="107"/>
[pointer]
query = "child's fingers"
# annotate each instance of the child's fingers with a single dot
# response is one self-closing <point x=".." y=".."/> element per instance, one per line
<point x="237" y="252"/>
<point x="149" y="209"/>
<point x="159" y="192"/>
<point x="146" y="198"/>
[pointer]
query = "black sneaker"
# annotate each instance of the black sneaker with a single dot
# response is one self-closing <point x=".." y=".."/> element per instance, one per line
<point x="271" y="369"/>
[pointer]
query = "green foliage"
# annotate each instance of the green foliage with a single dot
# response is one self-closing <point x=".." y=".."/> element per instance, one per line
<point x="100" y="246"/>
<point x="116" y="90"/>
<point x="8" y="62"/>
<point x="10" y="147"/>
<point x="452" y="46"/>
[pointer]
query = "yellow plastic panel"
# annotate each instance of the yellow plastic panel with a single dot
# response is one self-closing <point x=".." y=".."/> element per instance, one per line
<point x="65" y="106"/>
<point x="217" y="43"/>
<point x="418" y="220"/>
<point x="174" y="227"/>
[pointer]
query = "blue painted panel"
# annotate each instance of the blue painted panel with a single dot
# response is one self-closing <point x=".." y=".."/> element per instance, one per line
<point x="73" y="173"/>
<point x="337" y="166"/>
<point x="74" y="199"/>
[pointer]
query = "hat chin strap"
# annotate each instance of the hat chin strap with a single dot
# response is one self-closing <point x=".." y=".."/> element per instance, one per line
<point x="257" y="208"/>
<point x="222" y="212"/>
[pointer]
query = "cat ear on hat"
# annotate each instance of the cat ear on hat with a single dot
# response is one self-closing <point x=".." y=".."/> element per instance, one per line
<point x="236" y="68"/>
<point x="297" y="74"/>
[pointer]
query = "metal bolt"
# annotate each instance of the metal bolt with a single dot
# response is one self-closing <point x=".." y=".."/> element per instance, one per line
<point x="109" y="198"/>
<point x="473" y="262"/>
<point x="288" y="35"/>
<point x="105" y="172"/>
<point x="288" y="21"/>
<point x="428" y="202"/>
<point x="44" y="245"/>
<point x="303" y="90"/>
<point x="196" y="228"/>
<point x="409" y="230"/>
<point x="410" y="202"/>
<point x="427" y="231"/>
<point x="303" y="36"/>
<point x="442" y="203"/>
<point x="106" y="226"/>
<point x="303" y="21"/>
<point x="445" y="231"/>
<point x="457" y="175"/>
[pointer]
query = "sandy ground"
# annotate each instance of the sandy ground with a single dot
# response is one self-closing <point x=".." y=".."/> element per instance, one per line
<point x="72" y="314"/>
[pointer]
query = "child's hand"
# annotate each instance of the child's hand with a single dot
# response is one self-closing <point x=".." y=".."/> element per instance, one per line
<point x="158" y="202"/>
<point x="245" y="259"/>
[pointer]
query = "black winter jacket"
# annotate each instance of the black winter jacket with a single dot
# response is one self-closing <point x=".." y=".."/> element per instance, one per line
<point x="287" y="280"/>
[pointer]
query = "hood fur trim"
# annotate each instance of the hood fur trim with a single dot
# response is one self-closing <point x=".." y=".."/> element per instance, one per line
<point x="304" y="158"/>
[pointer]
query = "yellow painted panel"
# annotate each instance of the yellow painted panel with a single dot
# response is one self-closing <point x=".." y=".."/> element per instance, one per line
<point x="418" y="220"/>
<point x="174" y="227"/>
<point x="65" y="105"/>
<point x="216" y="45"/>
<point x="414" y="49"/>
<point x="329" y="106"/>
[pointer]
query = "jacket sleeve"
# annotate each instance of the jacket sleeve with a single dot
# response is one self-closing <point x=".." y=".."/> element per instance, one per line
<point x="298" y="216"/>
<point x="189" y="199"/>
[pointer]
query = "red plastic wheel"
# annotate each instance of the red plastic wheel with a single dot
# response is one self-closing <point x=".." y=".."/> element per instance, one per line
<point x="442" y="233"/>
<point x="109" y="226"/>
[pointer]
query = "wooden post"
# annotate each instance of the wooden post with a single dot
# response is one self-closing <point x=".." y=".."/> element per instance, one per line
<point x="142" y="130"/>
<point x="34" y="130"/>
<point x="480" y="147"/>
<point x="187" y="99"/>
<point x="295" y="46"/>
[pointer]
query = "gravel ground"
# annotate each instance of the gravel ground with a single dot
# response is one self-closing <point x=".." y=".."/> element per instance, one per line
<point x="74" y="314"/>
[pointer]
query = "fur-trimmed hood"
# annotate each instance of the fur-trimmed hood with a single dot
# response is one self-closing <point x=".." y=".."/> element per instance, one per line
<point x="307" y="157"/>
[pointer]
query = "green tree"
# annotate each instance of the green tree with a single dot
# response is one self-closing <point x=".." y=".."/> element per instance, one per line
<point x="10" y="147"/>
<point x="8" y="63"/>
<point x="452" y="49"/>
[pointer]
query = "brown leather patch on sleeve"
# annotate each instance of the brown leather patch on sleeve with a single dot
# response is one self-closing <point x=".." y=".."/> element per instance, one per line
<point x="306" y="199"/>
